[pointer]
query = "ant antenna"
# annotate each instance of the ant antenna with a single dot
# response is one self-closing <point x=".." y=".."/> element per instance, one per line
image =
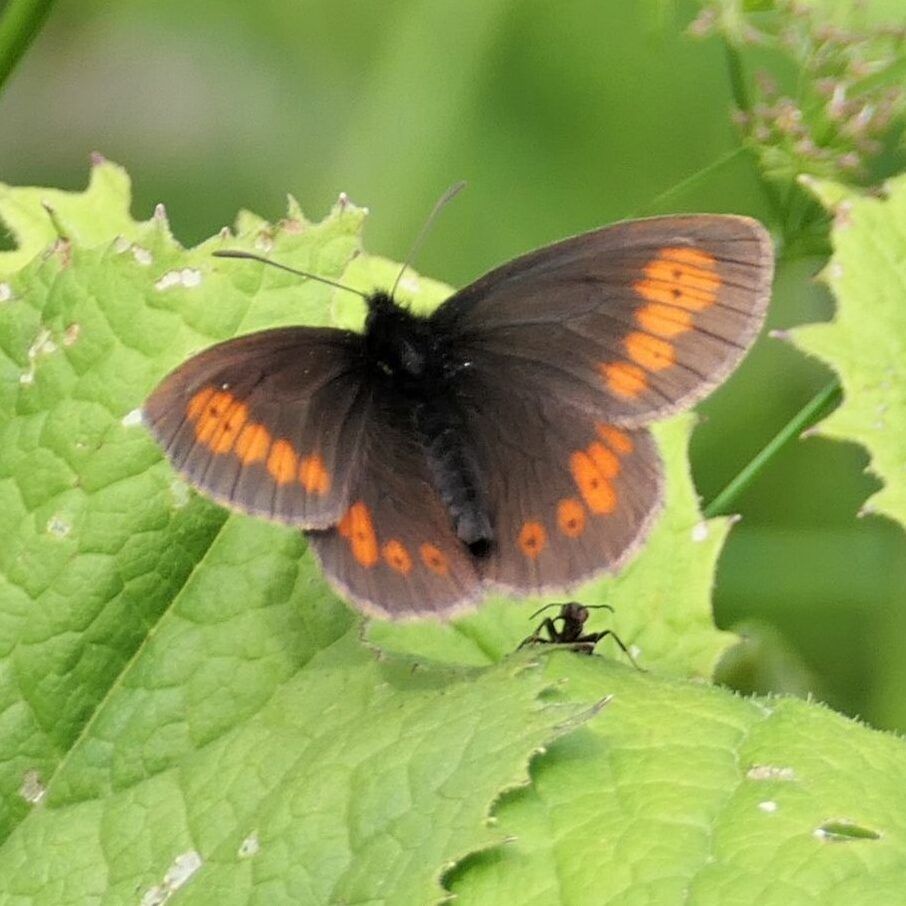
<point x="439" y="205"/>
<point x="586" y="606"/>
<point x="235" y="253"/>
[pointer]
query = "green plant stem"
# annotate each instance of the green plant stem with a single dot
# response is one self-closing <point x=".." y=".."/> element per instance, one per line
<point x="816" y="408"/>
<point x="738" y="89"/>
<point x="737" y="77"/>
<point x="18" y="27"/>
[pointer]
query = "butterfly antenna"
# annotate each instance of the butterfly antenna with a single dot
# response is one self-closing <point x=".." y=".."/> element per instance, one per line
<point x="235" y="253"/>
<point x="441" y="203"/>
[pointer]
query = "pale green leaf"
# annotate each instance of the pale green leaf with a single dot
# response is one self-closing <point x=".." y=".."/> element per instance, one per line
<point x="865" y="343"/>
<point x="254" y="751"/>
<point x="37" y="216"/>
<point x="680" y="793"/>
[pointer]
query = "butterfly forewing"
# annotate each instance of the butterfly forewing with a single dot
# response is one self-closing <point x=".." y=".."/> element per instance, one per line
<point x="267" y="423"/>
<point x="394" y="551"/>
<point x="630" y="322"/>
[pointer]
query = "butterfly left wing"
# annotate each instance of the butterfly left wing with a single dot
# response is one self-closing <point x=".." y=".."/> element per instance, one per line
<point x="394" y="551"/>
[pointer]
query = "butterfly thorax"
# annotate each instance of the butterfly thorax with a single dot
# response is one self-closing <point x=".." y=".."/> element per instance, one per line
<point x="413" y="360"/>
<point x="401" y="345"/>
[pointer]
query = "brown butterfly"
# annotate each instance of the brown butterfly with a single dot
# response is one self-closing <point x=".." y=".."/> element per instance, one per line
<point x="498" y="443"/>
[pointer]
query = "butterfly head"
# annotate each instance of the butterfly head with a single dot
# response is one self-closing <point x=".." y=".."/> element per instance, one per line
<point x="398" y="343"/>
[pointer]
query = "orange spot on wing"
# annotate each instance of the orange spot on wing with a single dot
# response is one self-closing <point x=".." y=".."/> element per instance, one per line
<point x="314" y="475"/>
<point x="596" y="490"/>
<point x="664" y="320"/>
<point x="693" y="257"/>
<point x="652" y="353"/>
<point x="198" y="403"/>
<point x="281" y="462"/>
<point x="356" y="526"/>
<point x="571" y="517"/>
<point x="617" y="440"/>
<point x="681" y="277"/>
<point x="230" y="426"/>
<point x="624" y="379"/>
<point x="397" y="557"/>
<point x="211" y="415"/>
<point x="252" y="444"/>
<point x="607" y="462"/>
<point x="674" y="294"/>
<point x="532" y="539"/>
<point x="434" y="559"/>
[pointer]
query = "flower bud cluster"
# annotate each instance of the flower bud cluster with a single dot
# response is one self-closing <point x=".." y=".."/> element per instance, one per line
<point x="845" y="101"/>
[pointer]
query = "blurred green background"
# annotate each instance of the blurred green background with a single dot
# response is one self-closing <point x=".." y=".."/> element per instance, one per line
<point x="562" y="117"/>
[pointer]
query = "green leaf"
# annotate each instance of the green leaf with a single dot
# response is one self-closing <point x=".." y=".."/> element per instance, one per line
<point x="865" y="343"/>
<point x="680" y="793"/>
<point x="37" y="216"/>
<point x="185" y="706"/>
<point x="180" y="694"/>
<point x="254" y="748"/>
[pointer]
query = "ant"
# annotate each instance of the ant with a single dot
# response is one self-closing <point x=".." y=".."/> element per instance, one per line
<point x="573" y="616"/>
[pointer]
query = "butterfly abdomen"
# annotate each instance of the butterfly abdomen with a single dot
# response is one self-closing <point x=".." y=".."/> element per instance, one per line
<point x="455" y="473"/>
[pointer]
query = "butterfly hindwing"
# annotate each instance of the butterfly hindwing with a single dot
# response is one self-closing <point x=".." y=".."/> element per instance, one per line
<point x="569" y="496"/>
<point x="394" y="551"/>
<point x="267" y="423"/>
<point x="630" y="322"/>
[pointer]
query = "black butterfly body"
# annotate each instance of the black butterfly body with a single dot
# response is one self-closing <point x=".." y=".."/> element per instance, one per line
<point x="417" y="369"/>
<point x="497" y="442"/>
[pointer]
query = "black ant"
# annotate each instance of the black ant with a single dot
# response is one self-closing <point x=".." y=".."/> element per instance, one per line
<point x="573" y="617"/>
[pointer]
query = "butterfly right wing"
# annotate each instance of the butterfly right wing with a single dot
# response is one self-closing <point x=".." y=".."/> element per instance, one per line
<point x="267" y="423"/>
<point x="631" y="322"/>
<point x="569" y="496"/>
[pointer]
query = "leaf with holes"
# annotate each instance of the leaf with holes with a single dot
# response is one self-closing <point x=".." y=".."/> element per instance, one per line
<point x="680" y="793"/>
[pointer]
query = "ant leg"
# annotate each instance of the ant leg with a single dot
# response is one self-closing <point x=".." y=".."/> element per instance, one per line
<point x="594" y="637"/>
<point x="537" y="639"/>
<point x="553" y="636"/>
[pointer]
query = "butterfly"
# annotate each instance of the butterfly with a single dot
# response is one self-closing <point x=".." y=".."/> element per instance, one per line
<point x="499" y="442"/>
